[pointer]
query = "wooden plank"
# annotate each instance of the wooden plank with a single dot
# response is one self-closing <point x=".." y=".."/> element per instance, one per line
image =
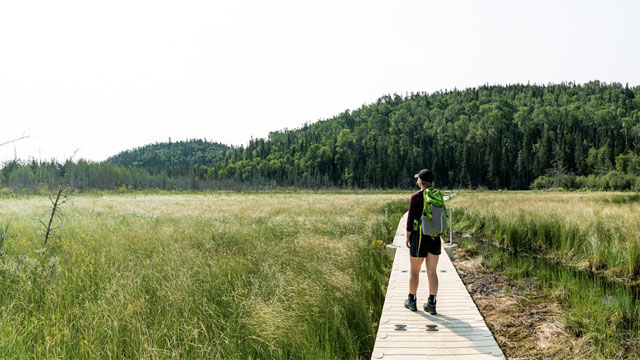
<point x="430" y="351"/>
<point x="391" y="331"/>
<point x="440" y="336"/>
<point x="441" y="357"/>
<point x="458" y="331"/>
<point x="436" y="343"/>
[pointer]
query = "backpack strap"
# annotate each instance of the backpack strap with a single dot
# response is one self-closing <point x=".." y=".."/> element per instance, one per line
<point x="427" y="204"/>
<point x="419" y="242"/>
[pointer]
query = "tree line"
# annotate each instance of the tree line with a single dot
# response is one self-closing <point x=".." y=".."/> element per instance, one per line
<point x="169" y="166"/>
<point x="491" y="136"/>
<point x="508" y="137"/>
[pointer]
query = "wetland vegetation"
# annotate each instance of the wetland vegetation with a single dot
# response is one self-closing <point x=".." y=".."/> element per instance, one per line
<point x="255" y="275"/>
<point x="594" y="231"/>
<point x="566" y="269"/>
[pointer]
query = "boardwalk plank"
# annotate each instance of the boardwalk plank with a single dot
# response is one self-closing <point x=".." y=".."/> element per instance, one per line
<point x="461" y="332"/>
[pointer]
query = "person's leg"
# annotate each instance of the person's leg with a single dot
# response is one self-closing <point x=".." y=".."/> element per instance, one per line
<point x="414" y="279"/>
<point x="414" y="276"/>
<point x="431" y="264"/>
<point x="432" y="274"/>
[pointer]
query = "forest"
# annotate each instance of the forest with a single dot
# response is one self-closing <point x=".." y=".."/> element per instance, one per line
<point x="572" y="136"/>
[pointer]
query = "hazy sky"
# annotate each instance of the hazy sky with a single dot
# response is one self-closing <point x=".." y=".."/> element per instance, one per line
<point x="106" y="76"/>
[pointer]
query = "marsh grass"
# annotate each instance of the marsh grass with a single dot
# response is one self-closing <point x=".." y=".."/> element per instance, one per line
<point x="622" y="198"/>
<point x="197" y="276"/>
<point x="602" y="316"/>
<point x="599" y="232"/>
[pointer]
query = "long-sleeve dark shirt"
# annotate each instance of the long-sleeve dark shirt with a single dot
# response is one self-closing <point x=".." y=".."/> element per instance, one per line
<point x="416" y="206"/>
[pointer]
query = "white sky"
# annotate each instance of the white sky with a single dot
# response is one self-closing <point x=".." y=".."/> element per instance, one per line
<point x="111" y="75"/>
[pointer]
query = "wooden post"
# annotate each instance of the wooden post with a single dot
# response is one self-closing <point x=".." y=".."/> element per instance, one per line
<point x="450" y="225"/>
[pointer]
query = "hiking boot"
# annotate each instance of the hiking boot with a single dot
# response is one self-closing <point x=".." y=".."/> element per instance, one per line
<point x="430" y="307"/>
<point x="410" y="304"/>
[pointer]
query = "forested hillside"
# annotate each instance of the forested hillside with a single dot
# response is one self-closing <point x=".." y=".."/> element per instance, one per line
<point x="491" y="136"/>
<point x="511" y="137"/>
<point x="173" y="158"/>
<point x="171" y="166"/>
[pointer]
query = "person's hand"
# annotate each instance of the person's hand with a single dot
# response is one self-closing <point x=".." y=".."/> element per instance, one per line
<point x="409" y="241"/>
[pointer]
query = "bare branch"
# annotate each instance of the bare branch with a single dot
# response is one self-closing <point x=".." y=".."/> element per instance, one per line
<point x="74" y="154"/>
<point x="55" y="206"/>
<point x="14" y="140"/>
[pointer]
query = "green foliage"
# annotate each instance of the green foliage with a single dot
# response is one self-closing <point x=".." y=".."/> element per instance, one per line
<point x="215" y="276"/>
<point x="612" y="181"/>
<point x="386" y="229"/>
<point x="603" y="312"/>
<point x="589" y="231"/>
<point x="173" y="158"/>
<point x="496" y="137"/>
<point x="491" y="136"/>
<point x="622" y="199"/>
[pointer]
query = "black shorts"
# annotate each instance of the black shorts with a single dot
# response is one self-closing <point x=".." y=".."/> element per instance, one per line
<point x="428" y="244"/>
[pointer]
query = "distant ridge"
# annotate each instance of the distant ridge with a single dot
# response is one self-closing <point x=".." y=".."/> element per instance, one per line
<point x="172" y="158"/>
<point x="565" y="135"/>
<point x="490" y="136"/>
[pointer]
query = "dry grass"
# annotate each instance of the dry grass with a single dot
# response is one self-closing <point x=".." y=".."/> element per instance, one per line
<point x="523" y="320"/>
<point x="573" y="208"/>
<point x="595" y="231"/>
<point x="195" y="276"/>
<point x="538" y="309"/>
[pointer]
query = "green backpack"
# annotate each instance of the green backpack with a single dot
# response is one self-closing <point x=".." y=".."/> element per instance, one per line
<point x="434" y="215"/>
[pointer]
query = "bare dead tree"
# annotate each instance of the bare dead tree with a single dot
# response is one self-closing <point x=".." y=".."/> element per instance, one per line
<point x="14" y="140"/>
<point x="55" y="204"/>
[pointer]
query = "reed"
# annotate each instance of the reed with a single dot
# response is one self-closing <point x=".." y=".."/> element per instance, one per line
<point x="598" y="232"/>
<point x="256" y="275"/>
<point x="601" y="317"/>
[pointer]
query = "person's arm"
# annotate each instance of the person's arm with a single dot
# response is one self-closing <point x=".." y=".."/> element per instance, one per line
<point x="410" y="217"/>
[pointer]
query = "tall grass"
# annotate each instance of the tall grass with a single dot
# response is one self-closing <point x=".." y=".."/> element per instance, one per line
<point x="595" y="231"/>
<point x="603" y="315"/>
<point x="196" y="276"/>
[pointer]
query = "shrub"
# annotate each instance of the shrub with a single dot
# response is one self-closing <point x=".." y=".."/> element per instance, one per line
<point x="542" y="182"/>
<point x="6" y="193"/>
<point x="614" y="180"/>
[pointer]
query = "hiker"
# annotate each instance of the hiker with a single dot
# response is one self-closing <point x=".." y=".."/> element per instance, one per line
<point x="424" y="246"/>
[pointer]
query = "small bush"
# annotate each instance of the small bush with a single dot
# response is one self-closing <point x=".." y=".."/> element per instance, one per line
<point x="6" y="193"/>
<point x="612" y="181"/>
<point x="541" y="183"/>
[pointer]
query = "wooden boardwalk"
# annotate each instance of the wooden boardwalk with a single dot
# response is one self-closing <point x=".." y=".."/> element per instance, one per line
<point x="457" y="332"/>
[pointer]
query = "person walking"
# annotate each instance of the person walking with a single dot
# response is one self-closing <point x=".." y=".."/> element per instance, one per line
<point x="422" y="247"/>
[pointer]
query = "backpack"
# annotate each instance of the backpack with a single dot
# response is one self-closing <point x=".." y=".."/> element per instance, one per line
<point x="434" y="213"/>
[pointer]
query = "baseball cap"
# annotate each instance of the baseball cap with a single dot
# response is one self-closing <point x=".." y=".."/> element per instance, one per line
<point x="424" y="175"/>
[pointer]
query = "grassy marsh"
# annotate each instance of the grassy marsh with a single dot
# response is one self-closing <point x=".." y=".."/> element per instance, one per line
<point x="196" y="276"/>
<point x="552" y="311"/>
<point x="598" y="232"/>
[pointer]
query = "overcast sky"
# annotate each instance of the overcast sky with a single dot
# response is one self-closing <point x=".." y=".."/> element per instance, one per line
<point x="106" y="76"/>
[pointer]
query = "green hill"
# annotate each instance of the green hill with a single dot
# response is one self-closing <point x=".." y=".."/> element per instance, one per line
<point x="490" y="136"/>
<point x="507" y="137"/>
<point x="172" y="158"/>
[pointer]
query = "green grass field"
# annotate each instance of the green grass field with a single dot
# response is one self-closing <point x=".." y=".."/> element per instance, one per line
<point x="582" y="250"/>
<point x="598" y="232"/>
<point x="196" y="276"/>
